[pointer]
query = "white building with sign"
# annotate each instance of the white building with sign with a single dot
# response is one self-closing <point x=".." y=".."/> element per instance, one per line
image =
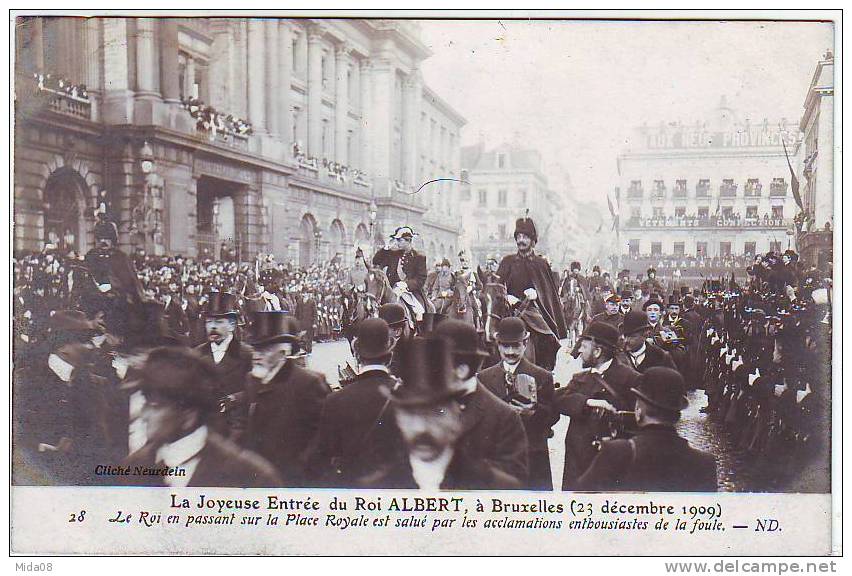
<point x="698" y="197"/>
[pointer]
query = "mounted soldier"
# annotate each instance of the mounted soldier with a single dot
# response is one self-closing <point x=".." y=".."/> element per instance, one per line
<point x="532" y="293"/>
<point x="406" y="270"/>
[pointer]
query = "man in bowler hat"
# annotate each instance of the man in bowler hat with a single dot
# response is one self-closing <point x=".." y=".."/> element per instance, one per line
<point x="432" y="454"/>
<point x="491" y="430"/>
<point x="356" y="426"/>
<point x="640" y="353"/>
<point x="231" y="359"/>
<point x="394" y="314"/>
<point x="284" y="400"/>
<point x="592" y="398"/>
<point x="527" y="389"/>
<point x="656" y="458"/>
<point x="179" y="390"/>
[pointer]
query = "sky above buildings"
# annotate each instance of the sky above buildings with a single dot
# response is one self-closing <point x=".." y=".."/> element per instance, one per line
<point x="575" y="90"/>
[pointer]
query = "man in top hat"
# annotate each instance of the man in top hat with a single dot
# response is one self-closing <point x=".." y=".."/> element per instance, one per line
<point x="491" y="430"/>
<point x="528" y="389"/>
<point x="284" y="400"/>
<point x="656" y="458"/>
<point x="530" y="284"/>
<point x="651" y="285"/>
<point x="230" y="358"/>
<point x="593" y="398"/>
<point x="406" y="271"/>
<point x="394" y="315"/>
<point x="180" y="399"/>
<point x="612" y="311"/>
<point x="356" y="427"/>
<point x="641" y="353"/>
<point x="434" y="453"/>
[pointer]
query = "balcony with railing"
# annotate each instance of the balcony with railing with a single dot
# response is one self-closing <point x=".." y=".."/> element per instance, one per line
<point x="679" y="190"/>
<point x="53" y="93"/>
<point x="727" y="190"/>
<point x="659" y="191"/>
<point x="778" y="188"/>
<point x="635" y="190"/>
<point x="702" y="189"/>
<point x="753" y="189"/>
<point x="330" y="173"/>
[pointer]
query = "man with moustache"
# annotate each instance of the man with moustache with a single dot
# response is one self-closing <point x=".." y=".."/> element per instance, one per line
<point x="406" y="271"/>
<point x="284" y="400"/>
<point x="527" y="389"/>
<point x="231" y="359"/>
<point x="592" y="398"/>
<point x="531" y="291"/>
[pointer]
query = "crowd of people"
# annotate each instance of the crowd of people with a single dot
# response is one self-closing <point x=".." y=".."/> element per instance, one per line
<point x="171" y="371"/>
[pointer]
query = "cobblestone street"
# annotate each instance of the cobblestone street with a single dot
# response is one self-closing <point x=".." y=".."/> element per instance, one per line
<point x="701" y="431"/>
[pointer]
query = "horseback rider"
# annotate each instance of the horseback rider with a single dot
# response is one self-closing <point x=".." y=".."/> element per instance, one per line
<point x="530" y="287"/>
<point x="473" y="287"/>
<point x="406" y="270"/>
<point x="441" y="293"/>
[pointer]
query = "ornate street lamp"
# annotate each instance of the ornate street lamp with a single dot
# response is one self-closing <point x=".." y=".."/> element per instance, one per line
<point x="372" y="212"/>
<point x="146" y="216"/>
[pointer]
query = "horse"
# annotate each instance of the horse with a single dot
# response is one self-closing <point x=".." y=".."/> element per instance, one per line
<point x="465" y="302"/>
<point x="576" y="309"/>
<point x="364" y="300"/>
<point x="496" y="307"/>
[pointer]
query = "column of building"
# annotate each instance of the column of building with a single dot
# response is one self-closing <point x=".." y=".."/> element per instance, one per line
<point x="285" y="81"/>
<point x="273" y="72"/>
<point x="256" y="68"/>
<point x="169" y="86"/>
<point x="314" y="111"/>
<point x="411" y="118"/>
<point x="366" y="105"/>
<point x="341" y="104"/>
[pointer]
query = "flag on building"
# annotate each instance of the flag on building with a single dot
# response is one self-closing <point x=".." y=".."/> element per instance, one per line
<point x="794" y="182"/>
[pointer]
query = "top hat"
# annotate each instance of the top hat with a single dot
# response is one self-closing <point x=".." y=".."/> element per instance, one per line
<point x="526" y="226"/>
<point x="511" y="329"/>
<point x="662" y="387"/>
<point x="392" y="313"/>
<point x="684" y="290"/>
<point x="373" y="339"/>
<point x="403" y="232"/>
<point x="273" y="327"/>
<point x="179" y="374"/>
<point x="425" y="371"/>
<point x="602" y="333"/>
<point x="626" y="294"/>
<point x="674" y="300"/>
<point x="462" y="337"/>
<point x="221" y="305"/>
<point x="633" y="322"/>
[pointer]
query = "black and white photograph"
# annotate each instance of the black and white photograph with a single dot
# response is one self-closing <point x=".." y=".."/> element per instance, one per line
<point x="544" y="255"/>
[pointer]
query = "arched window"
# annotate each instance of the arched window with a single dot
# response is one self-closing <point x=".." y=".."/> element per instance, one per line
<point x="64" y="224"/>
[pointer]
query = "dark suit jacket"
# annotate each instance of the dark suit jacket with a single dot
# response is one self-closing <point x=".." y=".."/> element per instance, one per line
<point x="414" y="268"/>
<point x="614" y="319"/>
<point x="585" y="427"/>
<point x="232" y="369"/>
<point x="284" y="416"/>
<point x="465" y="472"/>
<point x="493" y="432"/>
<point x="355" y="428"/>
<point x="654" y="356"/>
<point x="658" y="461"/>
<point x="538" y="424"/>
<point x="223" y="464"/>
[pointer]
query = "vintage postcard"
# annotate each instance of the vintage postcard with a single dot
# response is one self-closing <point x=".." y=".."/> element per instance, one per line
<point x="424" y="284"/>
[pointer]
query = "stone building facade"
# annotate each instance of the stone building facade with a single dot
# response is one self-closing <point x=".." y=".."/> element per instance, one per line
<point x="297" y="137"/>
<point x="717" y="188"/>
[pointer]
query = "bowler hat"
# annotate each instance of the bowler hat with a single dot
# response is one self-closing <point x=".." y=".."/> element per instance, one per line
<point x="392" y="313"/>
<point x="526" y="226"/>
<point x="425" y="371"/>
<point x="462" y="336"/>
<point x="511" y="329"/>
<point x="221" y="304"/>
<point x="602" y="333"/>
<point x="273" y="327"/>
<point x="662" y="387"/>
<point x="633" y="322"/>
<point x="373" y="339"/>
<point x="626" y="295"/>
<point x="181" y="375"/>
<point x="654" y="299"/>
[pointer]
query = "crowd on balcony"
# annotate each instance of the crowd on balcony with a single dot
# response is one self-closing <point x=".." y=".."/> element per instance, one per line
<point x="727" y="189"/>
<point x="61" y="86"/>
<point x="214" y="122"/>
<point x="340" y="172"/>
